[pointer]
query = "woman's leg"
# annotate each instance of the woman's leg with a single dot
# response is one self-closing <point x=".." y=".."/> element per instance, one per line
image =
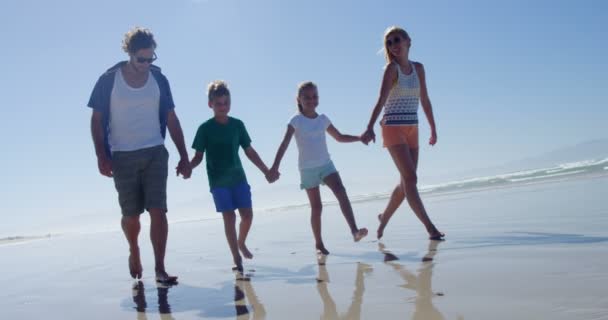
<point x="396" y="198"/>
<point x="407" y="168"/>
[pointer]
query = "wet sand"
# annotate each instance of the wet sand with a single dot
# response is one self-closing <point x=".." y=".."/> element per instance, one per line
<point x="533" y="252"/>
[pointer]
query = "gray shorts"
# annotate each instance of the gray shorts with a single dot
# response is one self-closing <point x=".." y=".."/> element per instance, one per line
<point x="140" y="178"/>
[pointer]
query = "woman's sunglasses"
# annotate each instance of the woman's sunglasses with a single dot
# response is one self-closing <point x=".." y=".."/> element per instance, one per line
<point x="148" y="60"/>
<point x="396" y="40"/>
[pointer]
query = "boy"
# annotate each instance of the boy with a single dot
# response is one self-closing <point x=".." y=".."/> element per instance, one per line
<point x="221" y="137"/>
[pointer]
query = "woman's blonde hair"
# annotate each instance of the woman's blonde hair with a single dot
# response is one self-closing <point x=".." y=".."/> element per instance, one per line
<point x="390" y="31"/>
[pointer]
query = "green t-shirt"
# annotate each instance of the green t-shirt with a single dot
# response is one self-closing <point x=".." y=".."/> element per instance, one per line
<point x="220" y="142"/>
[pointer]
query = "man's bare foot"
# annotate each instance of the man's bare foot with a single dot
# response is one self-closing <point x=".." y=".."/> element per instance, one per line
<point x="360" y="234"/>
<point x="163" y="277"/>
<point x="135" y="267"/>
<point x="380" y="231"/>
<point x="437" y="236"/>
<point x="246" y="253"/>
<point x="238" y="265"/>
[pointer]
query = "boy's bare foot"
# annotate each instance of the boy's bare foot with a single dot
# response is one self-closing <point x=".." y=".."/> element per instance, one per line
<point x="163" y="277"/>
<point x="246" y="253"/>
<point x="380" y="231"/>
<point x="321" y="250"/>
<point x="135" y="267"/>
<point x="360" y="234"/>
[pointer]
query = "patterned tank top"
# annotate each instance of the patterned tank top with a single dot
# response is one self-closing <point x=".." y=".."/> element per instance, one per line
<point x="401" y="107"/>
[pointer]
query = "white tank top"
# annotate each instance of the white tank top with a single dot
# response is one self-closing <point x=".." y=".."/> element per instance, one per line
<point x="401" y="107"/>
<point x="134" y="115"/>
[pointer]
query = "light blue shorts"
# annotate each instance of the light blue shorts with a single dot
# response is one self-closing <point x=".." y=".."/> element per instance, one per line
<point x="313" y="177"/>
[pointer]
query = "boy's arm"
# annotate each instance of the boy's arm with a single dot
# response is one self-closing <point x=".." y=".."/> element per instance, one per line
<point x="197" y="159"/>
<point x="255" y="158"/>
<point x="175" y="130"/>
<point x="341" y="137"/>
<point x="282" y="148"/>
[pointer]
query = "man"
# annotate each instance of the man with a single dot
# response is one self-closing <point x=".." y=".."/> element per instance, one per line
<point x="132" y="108"/>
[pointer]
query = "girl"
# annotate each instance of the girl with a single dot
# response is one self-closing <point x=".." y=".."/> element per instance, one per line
<point x="403" y="86"/>
<point x="315" y="165"/>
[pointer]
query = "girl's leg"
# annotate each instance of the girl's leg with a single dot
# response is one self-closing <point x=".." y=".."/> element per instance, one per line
<point x="405" y="164"/>
<point x="244" y="226"/>
<point x="396" y="199"/>
<point x="334" y="182"/>
<point x="314" y="197"/>
<point x="230" y="230"/>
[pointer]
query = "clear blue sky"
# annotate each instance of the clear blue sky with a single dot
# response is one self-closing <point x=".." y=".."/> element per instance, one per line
<point x="507" y="79"/>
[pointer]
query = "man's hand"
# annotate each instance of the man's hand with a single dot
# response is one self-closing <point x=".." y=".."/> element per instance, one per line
<point x="183" y="168"/>
<point x="105" y="166"/>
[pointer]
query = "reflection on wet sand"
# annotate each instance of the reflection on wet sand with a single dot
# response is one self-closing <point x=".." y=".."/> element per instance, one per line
<point x="421" y="283"/>
<point x="329" y="306"/>
<point x="243" y="294"/>
<point x="139" y="298"/>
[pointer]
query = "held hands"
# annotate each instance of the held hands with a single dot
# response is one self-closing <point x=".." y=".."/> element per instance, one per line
<point x="272" y="175"/>
<point x="368" y="136"/>
<point x="184" y="168"/>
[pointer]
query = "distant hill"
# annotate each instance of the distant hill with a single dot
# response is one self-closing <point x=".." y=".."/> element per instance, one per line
<point x="588" y="150"/>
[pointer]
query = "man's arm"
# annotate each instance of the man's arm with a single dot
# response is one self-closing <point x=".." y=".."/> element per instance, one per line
<point x="103" y="162"/>
<point x="175" y="130"/>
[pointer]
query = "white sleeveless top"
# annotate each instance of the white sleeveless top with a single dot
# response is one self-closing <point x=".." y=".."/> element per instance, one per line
<point x="134" y="115"/>
<point x="401" y="107"/>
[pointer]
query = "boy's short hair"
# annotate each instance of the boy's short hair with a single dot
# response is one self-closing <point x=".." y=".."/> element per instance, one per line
<point x="217" y="89"/>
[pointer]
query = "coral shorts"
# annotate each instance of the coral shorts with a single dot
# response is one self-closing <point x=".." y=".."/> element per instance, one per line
<point x="395" y="135"/>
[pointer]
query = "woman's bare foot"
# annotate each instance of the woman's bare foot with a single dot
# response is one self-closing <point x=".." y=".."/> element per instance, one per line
<point x="135" y="267"/>
<point x="246" y="253"/>
<point x="360" y="234"/>
<point x="434" y="234"/>
<point x="321" y="250"/>
<point x="163" y="277"/>
<point x="380" y="231"/>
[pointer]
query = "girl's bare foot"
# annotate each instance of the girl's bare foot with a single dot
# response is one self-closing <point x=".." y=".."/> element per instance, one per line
<point x="360" y="234"/>
<point x="135" y="267"/>
<point x="380" y="231"/>
<point x="246" y="253"/>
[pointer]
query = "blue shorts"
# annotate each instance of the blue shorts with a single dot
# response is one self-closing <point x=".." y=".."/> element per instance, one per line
<point x="313" y="177"/>
<point x="232" y="198"/>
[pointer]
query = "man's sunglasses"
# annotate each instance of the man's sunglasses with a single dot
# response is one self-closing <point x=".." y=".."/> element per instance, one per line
<point x="396" y="40"/>
<point x="148" y="60"/>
